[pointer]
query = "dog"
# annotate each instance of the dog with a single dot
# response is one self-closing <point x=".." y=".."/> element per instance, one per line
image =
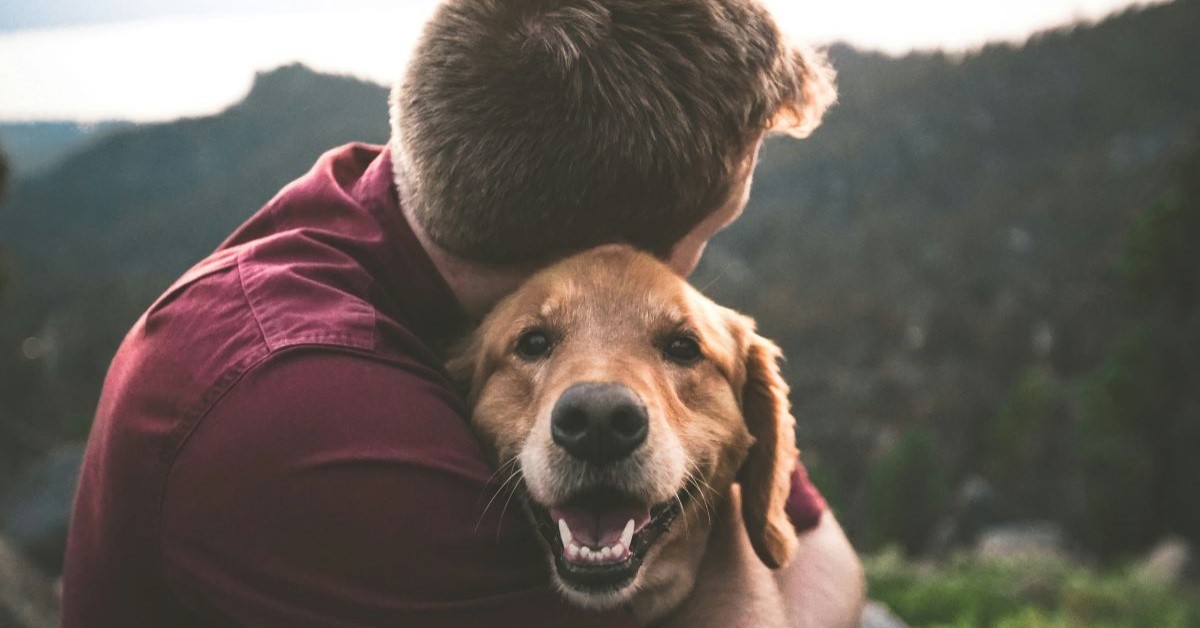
<point x="627" y="405"/>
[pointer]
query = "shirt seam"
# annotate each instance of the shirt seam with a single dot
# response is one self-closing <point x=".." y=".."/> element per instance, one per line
<point x="262" y="332"/>
<point x="365" y="341"/>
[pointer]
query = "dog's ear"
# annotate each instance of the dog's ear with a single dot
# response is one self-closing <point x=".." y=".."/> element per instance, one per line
<point x="463" y="364"/>
<point x="766" y="475"/>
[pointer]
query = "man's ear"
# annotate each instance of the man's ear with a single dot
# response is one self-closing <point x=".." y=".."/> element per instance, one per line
<point x="766" y="475"/>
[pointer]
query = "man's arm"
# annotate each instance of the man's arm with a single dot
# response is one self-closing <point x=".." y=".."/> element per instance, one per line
<point x="823" y="586"/>
<point x="336" y="490"/>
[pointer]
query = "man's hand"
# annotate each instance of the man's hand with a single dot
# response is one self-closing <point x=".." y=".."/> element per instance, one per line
<point x="822" y="587"/>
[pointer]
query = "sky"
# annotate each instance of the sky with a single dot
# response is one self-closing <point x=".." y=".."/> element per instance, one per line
<point x="150" y="60"/>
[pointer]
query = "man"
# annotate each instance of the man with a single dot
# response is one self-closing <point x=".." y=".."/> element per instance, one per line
<point x="277" y="443"/>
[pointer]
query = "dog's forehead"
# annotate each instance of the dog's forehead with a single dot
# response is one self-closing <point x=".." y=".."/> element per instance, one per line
<point x="623" y="285"/>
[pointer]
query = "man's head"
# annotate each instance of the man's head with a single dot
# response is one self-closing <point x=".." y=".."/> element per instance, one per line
<point x="526" y="131"/>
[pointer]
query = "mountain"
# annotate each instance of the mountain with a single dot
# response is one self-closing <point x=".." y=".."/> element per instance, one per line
<point x="158" y="196"/>
<point x="93" y="240"/>
<point x="33" y="147"/>
<point x="940" y="248"/>
<point x="59" y="13"/>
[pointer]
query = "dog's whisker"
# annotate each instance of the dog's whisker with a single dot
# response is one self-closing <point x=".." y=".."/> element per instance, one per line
<point x="514" y="475"/>
<point x="495" y="474"/>
<point x="705" y="490"/>
<point x="720" y="274"/>
<point x="700" y="495"/>
<point x="687" y="529"/>
<point x="500" y="521"/>
<point x="687" y="489"/>
<point x="498" y="489"/>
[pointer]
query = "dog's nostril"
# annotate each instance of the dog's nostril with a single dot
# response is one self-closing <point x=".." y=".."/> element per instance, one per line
<point x="599" y="423"/>
<point x="628" y="421"/>
<point x="572" y="422"/>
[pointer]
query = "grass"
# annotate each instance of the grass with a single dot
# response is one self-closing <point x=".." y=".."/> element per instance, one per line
<point x="969" y="592"/>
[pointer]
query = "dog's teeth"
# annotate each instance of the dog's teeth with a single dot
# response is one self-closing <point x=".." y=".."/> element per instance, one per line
<point x="585" y="552"/>
<point x="627" y="535"/>
<point x="572" y="551"/>
<point x="564" y="531"/>
<point x="606" y="553"/>
<point x="618" y="551"/>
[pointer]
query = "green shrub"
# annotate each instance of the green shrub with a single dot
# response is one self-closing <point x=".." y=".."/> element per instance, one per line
<point x="968" y="592"/>
<point x="908" y="492"/>
<point x="1029" y="448"/>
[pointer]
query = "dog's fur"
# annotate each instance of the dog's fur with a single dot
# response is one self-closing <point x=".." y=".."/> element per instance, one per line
<point x="721" y="419"/>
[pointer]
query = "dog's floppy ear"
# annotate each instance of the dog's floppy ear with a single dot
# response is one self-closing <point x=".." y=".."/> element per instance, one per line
<point x="464" y="364"/>
<point x="766" y="475"/>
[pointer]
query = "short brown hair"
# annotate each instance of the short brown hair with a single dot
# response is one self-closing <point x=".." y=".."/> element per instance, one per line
<point x="525" y="130"/>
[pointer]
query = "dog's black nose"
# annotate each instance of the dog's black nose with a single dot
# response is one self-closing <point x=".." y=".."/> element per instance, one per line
<point x="599" y="423"/>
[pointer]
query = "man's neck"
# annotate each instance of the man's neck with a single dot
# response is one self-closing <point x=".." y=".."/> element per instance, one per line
<point x="476" y="287"/>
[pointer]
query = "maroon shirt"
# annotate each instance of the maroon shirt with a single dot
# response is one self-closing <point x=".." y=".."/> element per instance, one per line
<point x="278" y="445"/>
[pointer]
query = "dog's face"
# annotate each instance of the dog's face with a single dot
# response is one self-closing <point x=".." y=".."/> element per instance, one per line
<point x="628" y="404"/>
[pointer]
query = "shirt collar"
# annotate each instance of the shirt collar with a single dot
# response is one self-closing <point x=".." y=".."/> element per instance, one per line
<point x="414" y="289"/>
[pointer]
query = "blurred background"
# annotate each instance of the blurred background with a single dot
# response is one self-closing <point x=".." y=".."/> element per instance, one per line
<point x="984" y="269"/>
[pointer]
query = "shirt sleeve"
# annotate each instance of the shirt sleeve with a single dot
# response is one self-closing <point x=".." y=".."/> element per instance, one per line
<point x="337" y="490"/>
<point x="805" y="504"/>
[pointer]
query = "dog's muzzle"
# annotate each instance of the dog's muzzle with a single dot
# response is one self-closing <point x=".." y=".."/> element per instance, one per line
<point x="600" y="535"/>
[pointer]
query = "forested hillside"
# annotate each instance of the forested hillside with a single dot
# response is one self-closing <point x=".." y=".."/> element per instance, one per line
<point x="946" y="244"/>
<point x="92" y="241"/>
<point x="941" y="262"/>
<point x="35" y="146"/>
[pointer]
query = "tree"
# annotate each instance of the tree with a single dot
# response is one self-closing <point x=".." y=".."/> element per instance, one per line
<point x="1142" y="408"/>
<point x="3" y="190"/>
<point x="909" y="492"/>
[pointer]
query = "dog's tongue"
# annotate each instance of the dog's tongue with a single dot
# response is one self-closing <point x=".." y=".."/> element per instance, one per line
<point x="599" y="520"/>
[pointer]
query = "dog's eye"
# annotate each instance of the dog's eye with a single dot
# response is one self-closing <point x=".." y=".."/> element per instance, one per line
<point x="682" y="349"/>
<point x="534" y="344"/>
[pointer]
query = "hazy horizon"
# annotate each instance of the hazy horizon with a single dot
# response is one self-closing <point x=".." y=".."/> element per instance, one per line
<point x="150" y="65"/>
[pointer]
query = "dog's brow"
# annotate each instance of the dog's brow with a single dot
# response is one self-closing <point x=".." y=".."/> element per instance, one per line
<point x="677" y="318"/>
<point x="529" y="321"/>
<point x="549" y="313"/>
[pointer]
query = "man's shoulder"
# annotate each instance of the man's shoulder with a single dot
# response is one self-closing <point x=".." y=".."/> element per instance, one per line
<point x="336" y="386"/>
<point x="246" y="302"/>
<point x="240" y="312"/>
<point x="300" y="292"/>
<point x="322" y="408"/>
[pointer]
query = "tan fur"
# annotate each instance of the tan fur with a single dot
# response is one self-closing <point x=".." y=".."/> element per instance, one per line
<point x="765" y="476"/>
<point x="722" y="419"/>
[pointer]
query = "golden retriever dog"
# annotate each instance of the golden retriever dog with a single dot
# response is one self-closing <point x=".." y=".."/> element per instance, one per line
<point x="627" y="405"/>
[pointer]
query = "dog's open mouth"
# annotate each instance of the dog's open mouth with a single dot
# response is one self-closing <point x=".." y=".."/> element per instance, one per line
<point x="599" y="538"/>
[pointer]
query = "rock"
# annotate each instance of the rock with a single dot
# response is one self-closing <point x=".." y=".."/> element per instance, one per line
<point x="1166" y="564"/>
<point x="35" y="514"/>
<point x="27" y="598"/>
<point x="975" y="510"/>
<point x="878" y="615"/>
<point x="1026" y="540"/>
